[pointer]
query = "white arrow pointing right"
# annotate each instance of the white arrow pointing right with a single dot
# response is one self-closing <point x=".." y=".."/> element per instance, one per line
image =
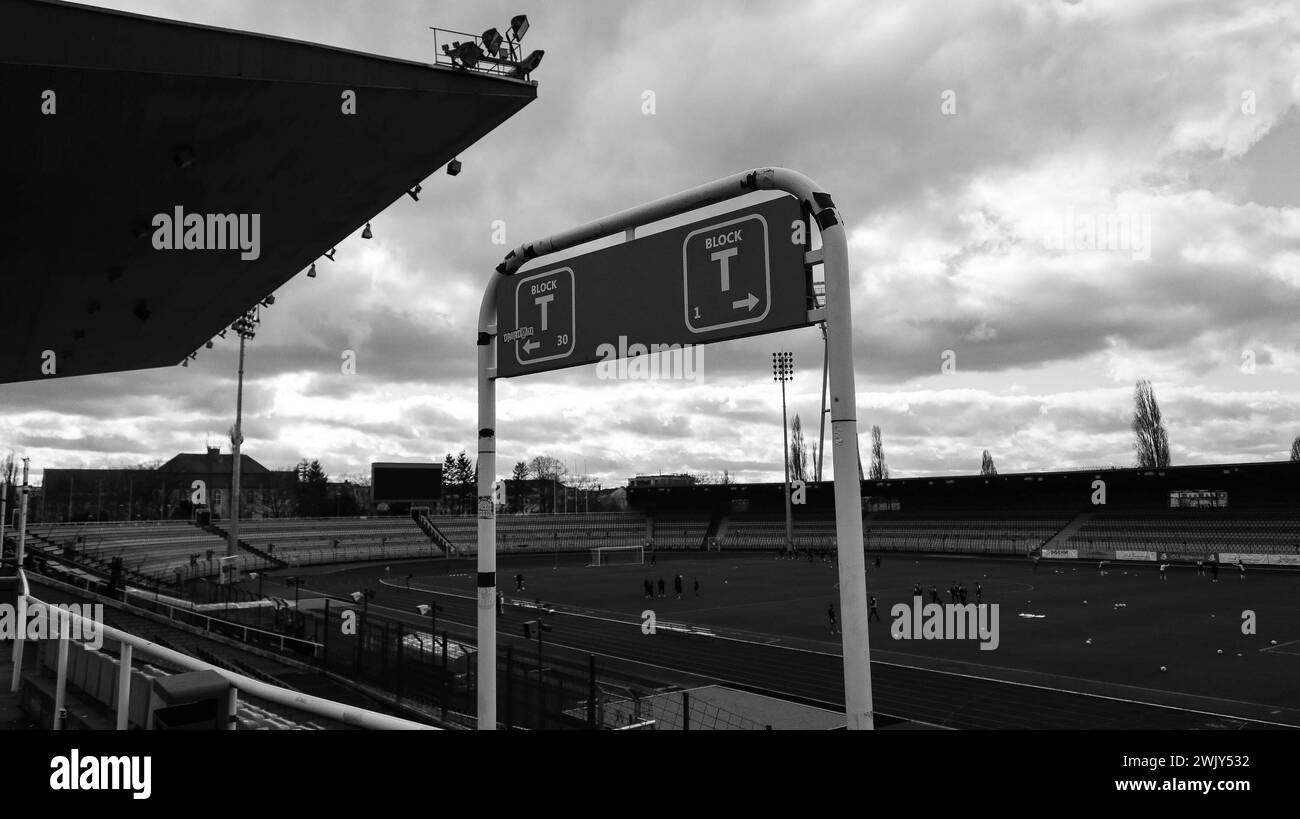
<point x="747" y="303"/>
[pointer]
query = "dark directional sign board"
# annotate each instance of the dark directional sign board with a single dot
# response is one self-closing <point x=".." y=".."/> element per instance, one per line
<point x="738" y="274"/>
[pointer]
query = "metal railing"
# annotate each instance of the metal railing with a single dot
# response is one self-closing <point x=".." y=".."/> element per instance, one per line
<point x="504" y="64"/>
<point x="76" y="623"/>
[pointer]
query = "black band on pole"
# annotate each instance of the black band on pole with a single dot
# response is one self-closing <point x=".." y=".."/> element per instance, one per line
<point x="487" y="580"/>
<point x="487" y="432"/>
<point x="484" y="339"/>
<point x="826" y="219"/>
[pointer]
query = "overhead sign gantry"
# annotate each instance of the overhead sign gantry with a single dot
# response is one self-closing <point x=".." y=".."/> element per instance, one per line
<point x="740" y="274"/>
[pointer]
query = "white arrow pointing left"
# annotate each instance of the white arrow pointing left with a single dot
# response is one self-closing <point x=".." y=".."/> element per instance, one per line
<point x="529" y="346"/>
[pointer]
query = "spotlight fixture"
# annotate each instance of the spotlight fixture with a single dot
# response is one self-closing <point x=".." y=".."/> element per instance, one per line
<point x="518" y="27"/>
<point x="268" y="301"/>
<point x="311" y="272"/>
<point x="492" y="41"/>
<point x="464" y="55"/>
<point x="222" y="334"/>
<point x="185" y="363"/>
<point x="366" y="234"/>
<point x="209" y="344"/>
<point x="414" y="193"/>
<point x="194" y="356"/>
<point x="528" y="64"/>
<point x="330" y="255"/>
<point x="453" y="167"/>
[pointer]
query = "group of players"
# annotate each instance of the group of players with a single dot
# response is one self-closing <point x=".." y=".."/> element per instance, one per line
<point x="956" y="593"/>
<point x="649" y="587"/>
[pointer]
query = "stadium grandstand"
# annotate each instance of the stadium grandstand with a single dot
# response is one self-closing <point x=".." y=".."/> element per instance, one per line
<point x="114" y="73"/>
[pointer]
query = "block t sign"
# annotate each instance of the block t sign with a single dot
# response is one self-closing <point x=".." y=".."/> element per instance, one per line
<point x="544" y="310"/>
<point x="726" y="274"/>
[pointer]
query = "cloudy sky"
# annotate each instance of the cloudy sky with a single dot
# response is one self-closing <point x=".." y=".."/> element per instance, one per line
<point x="971" y="148"/>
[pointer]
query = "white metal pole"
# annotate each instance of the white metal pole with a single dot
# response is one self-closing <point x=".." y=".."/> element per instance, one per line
<point x="61" y="680"/>
<point x="848" y="489"/>
<point x="232" y="709"/>
<point x="124" y="687"/>
<point x="4" y="511"/>
<point x="15" y="682"/>
<point x="487" y="524"/>
<point x="20" y="554"/>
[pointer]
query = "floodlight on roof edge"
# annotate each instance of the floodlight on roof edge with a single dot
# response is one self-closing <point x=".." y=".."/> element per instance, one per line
<point x="528" y="64"/>
<point x="518" y="27"/>
<point x="367" y="234"/>
<point x="492" y="42"/>
<point x="466" y="54"/>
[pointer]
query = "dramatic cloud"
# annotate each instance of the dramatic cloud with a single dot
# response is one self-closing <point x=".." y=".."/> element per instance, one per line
<point x="1045" y="201"/>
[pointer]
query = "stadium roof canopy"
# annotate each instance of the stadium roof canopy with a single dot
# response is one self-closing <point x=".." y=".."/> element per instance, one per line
<point x="148" y="115"/>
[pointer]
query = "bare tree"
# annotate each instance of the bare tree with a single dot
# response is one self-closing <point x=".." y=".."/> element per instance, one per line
<point x="544" y="467"/>
<point x="879" y="470"/>
<point x="8" y="469"/>
<point x="798" y="452"/>
<point x="987" y="467"/>
<point x="1151" y="440"/>
<point x="1295" y="449"/>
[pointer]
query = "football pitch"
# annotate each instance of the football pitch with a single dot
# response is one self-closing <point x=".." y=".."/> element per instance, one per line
<point x="1061" y="626"/>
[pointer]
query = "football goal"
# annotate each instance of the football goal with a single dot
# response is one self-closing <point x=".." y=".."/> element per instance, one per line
<point x="617" y="555"/>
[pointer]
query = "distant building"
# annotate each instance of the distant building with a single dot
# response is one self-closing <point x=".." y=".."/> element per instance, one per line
<point x="656" y="481"/>
<point x="76" y="495"/>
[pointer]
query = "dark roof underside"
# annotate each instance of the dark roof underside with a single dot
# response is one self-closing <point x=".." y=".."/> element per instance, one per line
<point x="262" y="119"/>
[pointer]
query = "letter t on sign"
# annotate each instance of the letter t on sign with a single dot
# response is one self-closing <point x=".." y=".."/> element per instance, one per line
<point x="542" y="301"/>
<point x="724" y="256"/>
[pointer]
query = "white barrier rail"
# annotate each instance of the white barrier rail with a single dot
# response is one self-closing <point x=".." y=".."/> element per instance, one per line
<point x="318" y="706"/>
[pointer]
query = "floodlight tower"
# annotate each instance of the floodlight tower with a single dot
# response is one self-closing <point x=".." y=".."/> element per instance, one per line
<point x="246" y="328"/>
<point x="783" y="371"/>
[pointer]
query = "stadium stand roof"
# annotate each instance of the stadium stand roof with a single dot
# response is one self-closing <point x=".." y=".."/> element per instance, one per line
<point x="151" y="114"/>
<point x="1265" y="482"/>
